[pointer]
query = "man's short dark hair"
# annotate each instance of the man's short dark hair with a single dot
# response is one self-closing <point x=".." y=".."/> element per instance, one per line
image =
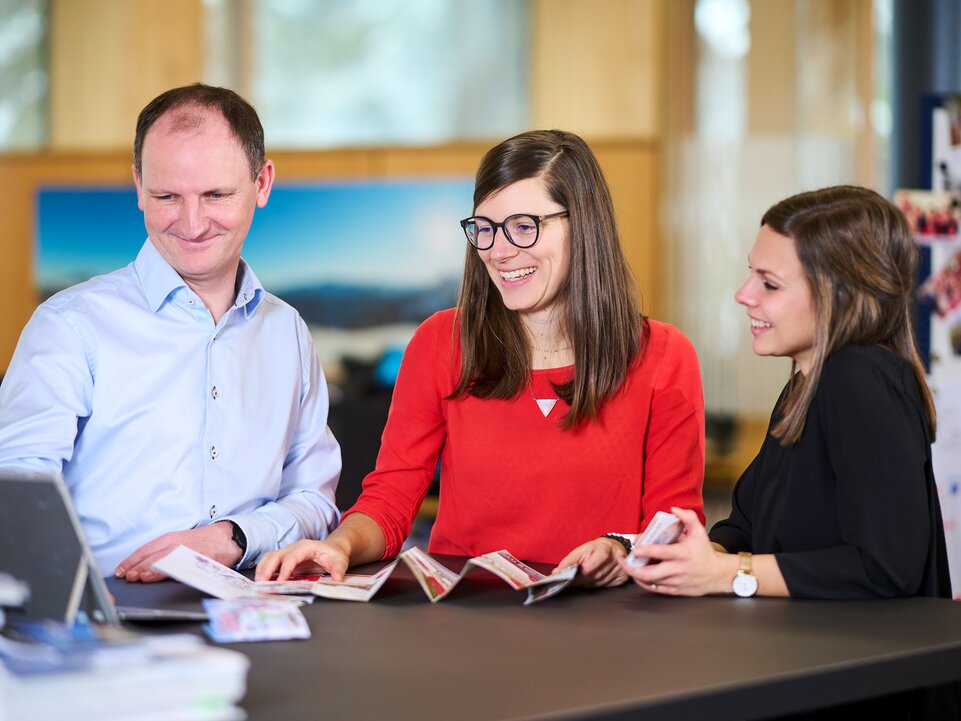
<point x="239" y="114"/>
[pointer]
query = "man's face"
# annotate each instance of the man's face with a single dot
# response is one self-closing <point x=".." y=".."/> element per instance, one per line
<point x="197" y="196"/>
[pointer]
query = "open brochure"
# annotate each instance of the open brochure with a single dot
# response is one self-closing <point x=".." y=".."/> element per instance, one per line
<point x="209" y="576"/>
<point x="437" y="580"/>
<point x="205" y="574"/>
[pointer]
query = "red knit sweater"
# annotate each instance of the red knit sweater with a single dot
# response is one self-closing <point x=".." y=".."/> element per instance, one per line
<point x="511" y="478"/>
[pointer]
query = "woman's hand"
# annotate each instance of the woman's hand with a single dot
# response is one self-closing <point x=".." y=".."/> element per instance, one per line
<point x="690" y="567"/>
<point x="600" y="563"/>
<point x="304" y="557"/>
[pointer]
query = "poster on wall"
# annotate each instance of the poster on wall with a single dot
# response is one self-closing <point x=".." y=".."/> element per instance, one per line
<point x="935" y="218"/>
<point x="363" y="262"/>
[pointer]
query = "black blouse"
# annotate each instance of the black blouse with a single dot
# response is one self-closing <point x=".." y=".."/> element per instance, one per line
<point x="851" y="510"/>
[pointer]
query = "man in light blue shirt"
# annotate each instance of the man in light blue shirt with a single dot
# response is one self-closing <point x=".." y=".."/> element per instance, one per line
<point x="182" y="402"/>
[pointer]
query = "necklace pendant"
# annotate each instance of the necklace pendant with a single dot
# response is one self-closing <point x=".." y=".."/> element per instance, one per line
<point x="546" y="405"/>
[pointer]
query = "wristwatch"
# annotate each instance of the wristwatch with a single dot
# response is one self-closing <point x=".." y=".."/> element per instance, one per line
<point x="239" y="537"/>
<point x="745" y="582"/>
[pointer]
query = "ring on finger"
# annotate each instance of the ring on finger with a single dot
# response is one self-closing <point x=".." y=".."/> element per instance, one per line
<point x="653" y="586"/>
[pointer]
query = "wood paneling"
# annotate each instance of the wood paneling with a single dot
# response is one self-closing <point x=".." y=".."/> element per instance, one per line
<point x="596" y="67"/>
<point x="108" y="58"/>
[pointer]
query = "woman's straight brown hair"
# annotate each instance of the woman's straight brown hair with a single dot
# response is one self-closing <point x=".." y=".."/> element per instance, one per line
<point x="859" y="258"/>
<point x="600" y="313"/>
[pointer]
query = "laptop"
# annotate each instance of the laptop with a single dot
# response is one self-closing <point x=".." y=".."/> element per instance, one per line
<point x="42" y="544"/>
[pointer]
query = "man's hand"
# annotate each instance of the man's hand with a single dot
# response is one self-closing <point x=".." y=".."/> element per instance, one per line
<point x="215" y="541"/>
<point x="598" y="559"/>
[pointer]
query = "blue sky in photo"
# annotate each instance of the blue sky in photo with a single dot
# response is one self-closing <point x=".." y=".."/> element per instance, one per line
<point x="399" y="234"/>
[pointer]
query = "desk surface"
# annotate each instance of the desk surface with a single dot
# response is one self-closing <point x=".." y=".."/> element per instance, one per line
<point x="480" y="654"/>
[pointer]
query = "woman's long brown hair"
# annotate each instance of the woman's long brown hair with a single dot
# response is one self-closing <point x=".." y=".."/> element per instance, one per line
<point x="860" y="259"/>
<point x="600" y="313"/>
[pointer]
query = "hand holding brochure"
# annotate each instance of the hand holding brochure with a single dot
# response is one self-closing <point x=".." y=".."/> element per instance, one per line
<point x="663" y="528"/>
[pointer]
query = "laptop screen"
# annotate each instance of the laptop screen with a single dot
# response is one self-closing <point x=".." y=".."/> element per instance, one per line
<point x="42" y="544"/>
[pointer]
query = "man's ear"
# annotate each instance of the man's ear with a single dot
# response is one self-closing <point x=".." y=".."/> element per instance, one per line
<point x="139" y="185"/>
<point x="265" y="181"/>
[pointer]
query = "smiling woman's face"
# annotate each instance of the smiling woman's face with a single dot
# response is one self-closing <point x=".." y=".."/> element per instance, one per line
<point x="778" y="300"/>
<point x="529" y="279"/>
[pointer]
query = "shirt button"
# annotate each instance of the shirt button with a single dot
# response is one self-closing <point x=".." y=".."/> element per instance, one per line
<point x="213" y="511"/>
<point x="214" y="452"/>
<point x="214" y="392"/>
<point x="190" y="301"/>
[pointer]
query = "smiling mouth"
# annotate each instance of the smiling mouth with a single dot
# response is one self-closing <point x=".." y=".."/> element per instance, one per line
<point x="516" y="274"/>
<point x="760" y="324"/>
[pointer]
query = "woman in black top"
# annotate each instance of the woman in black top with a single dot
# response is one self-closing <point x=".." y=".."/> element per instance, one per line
<point x="841" y="500"/>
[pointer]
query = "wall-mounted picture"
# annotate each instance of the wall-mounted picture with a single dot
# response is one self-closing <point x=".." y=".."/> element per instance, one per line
<point x="933" y="215"/>
<point x="363" y="262"/>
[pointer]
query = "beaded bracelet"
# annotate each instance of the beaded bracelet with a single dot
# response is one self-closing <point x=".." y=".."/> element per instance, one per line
<point x="620" y="539"/>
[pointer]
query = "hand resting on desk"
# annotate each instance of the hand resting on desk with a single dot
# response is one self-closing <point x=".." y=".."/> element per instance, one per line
<point x="214" y="540"/>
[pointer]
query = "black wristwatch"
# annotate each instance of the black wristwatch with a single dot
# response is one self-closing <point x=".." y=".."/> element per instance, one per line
<point x="239" y="538"/>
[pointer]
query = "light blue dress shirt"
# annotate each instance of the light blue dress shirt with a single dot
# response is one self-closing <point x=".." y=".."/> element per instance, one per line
<point x="161" y="420"/>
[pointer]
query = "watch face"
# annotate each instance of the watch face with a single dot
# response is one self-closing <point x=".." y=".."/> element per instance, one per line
<point x="744" y="584"/>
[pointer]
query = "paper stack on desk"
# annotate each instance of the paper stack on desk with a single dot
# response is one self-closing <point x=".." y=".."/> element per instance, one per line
<point x="51" y="671"/>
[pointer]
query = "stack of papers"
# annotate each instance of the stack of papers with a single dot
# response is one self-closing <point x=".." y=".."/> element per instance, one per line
<point x="52" y="671"/>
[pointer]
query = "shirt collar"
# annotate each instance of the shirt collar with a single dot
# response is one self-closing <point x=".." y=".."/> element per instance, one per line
<point x="159" y="280"/>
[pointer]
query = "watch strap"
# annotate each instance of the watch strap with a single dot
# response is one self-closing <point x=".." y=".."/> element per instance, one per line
<point x="239" y="537"/>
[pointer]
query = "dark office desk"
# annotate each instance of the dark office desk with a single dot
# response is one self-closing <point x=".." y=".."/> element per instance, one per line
<point x="613" y="654"/>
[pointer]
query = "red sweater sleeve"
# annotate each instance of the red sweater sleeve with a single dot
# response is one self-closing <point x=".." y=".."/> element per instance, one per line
<point x="674" y="446"/>
<point x="414" y="435"/>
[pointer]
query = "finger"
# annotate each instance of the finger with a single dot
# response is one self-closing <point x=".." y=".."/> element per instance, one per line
<point x="267" y="566"/>
<point x="569" y="560"/>
<point x="651" y="573"/>
<point x="612" y="576"/>
<point x="337" y="566"/>
<point x="669" y="573"/>
<point x="290" y="560"/>
<point x="143" y="571"/>
<point x="592" y="562"/>
<point x="134" y="559"/>
<point x="164" y="544"/>
<point x="688" y="518"/>
<point x="660" y="552"/>
<point x="152" y="576"/>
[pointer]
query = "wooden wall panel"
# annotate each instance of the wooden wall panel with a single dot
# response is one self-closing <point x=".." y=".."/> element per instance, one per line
<point x="596" y="67"/>
<point x="108" y="58"/>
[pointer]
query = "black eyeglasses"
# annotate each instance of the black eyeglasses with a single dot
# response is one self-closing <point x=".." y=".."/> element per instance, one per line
<point x="521" y="229"/>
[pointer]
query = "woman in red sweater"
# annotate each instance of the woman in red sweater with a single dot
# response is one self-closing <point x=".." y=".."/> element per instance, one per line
<point x="563" y="419"/>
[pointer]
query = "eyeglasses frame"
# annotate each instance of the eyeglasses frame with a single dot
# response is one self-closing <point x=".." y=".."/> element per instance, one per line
<point x="538" y="219"/>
